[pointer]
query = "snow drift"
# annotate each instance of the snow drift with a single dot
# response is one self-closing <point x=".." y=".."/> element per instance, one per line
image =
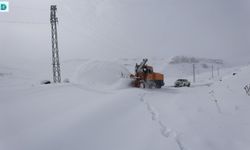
<point x="102" y="75"/>
<point x="81" y="115"/>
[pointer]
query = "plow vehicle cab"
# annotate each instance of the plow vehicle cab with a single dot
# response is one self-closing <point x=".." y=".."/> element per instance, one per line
<point x="145" y="77"/>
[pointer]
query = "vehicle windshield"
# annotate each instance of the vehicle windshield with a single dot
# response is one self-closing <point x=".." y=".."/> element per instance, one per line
<point x="182" y="80"/>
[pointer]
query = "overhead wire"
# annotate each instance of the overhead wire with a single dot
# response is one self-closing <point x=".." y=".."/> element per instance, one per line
<point x="26" y="22"/>
<point x="94" y="34"/>
<point x="21" y="22"/>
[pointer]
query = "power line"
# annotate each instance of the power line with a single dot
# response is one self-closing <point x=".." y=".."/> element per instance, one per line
<point x="31" y="8"/>
<point x="94" y="35"/>
<point x="21" y="22"/>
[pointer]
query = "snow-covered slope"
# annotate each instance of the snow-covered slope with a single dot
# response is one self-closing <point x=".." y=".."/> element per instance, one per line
<point x="97" y="110"/>
<point x="183" y="69"/>
<point x="101" y="74"/>
<point x="208" y="116"/>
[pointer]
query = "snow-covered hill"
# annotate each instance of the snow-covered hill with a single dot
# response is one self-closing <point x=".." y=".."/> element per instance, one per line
<point x="183" y="67"/>
<point x="98" y="110"/>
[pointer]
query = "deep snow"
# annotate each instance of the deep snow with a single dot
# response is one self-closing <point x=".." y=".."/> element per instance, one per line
<point x="98" y="110"/>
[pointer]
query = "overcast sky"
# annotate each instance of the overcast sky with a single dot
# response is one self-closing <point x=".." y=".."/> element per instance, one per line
<point x="127" y="28"/>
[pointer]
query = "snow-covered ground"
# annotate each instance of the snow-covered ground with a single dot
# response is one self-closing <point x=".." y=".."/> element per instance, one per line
<point x="98" y="110"/>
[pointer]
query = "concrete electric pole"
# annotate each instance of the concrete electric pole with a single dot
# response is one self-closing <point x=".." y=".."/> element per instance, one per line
<point x="55" y="53"/>
<point x="194" y="73"/>
<point x="218" y="71"/>
<point x="212" y="71"/>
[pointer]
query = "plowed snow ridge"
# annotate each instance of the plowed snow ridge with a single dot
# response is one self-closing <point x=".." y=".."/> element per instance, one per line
<point x="102" y="75"/>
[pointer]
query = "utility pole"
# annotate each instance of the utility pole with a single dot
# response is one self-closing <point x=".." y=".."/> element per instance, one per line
<point x="218" y="71"/>
<point x="194" y="73"/>
<point x="55" y="54"/>
<point x="212" y="71"/>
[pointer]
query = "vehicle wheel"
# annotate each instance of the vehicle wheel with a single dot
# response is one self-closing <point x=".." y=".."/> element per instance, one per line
<point x="158" y="86"/>
<point x="188" y="85"/>
<point x="142" y="85"/>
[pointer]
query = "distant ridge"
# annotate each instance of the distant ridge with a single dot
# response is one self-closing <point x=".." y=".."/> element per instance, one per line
<point x="186" y="59"/>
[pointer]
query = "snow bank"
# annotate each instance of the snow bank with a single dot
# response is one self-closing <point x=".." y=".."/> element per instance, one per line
<point x="102" y="75"/>
<point x="77" y="116"/>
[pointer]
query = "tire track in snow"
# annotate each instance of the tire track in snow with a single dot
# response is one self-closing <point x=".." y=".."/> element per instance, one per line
<point x="165" y="131"/>
<point x="215" y="100"/>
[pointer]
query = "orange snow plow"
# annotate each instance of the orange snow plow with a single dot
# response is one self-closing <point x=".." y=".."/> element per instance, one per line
<point x="145" y="77"/>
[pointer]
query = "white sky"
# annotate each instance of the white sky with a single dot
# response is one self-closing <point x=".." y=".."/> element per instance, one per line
<point x="127" y="28"/>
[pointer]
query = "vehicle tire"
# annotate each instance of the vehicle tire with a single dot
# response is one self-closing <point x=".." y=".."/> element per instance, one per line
<point x="142" y="85"/>
<point x="158" y="86"/>
<point x="188" y="85"/>
<point x="151" y="85"/>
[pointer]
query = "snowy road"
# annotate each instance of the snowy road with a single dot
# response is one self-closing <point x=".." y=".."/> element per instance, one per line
<point x="207" y="116"/>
